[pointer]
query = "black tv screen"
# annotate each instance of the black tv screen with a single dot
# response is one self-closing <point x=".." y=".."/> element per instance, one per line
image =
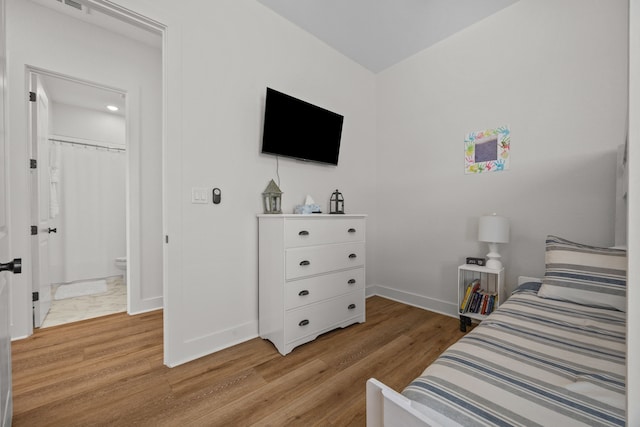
<point x="298" y="129"/>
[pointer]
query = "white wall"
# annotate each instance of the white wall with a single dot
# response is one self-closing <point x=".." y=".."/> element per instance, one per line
<point x="70" y="47"/>
<point x="556" y="73"/>
<point x="84" y="123"/>
<point x="633" y="275"/>
<point x="221" y="56"/>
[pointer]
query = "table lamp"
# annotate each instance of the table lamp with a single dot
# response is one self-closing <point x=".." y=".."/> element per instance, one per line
<point x="493" y="229"/>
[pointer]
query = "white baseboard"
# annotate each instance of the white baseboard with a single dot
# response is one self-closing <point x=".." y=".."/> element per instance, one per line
<point x="148" y="310"/>
<point x="420" y="301"/>
<point x="140" y="306"/>
<point x="192" y="348"/>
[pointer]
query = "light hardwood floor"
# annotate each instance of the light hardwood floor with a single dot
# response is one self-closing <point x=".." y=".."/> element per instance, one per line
<point x="109" y="371"/>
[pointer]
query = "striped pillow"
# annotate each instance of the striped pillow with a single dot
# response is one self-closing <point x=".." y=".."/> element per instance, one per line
<point x="584" y="274"/>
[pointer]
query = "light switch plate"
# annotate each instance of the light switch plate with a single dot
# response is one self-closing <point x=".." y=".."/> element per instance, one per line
<point x="199" y="195"/>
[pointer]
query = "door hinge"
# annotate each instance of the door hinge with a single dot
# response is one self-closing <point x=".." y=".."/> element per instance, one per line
<point x="35" y="296"/>
<point x="32" y="96"/>
<point x="166" y="238"/>
<point x="33" y="163"/>
<point x="34" y="230"/>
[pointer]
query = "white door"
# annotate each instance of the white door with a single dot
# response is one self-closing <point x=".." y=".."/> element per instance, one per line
<point x="6" y="407"/>
<point x="5" y="333"/>
<point x="40" y="208"/>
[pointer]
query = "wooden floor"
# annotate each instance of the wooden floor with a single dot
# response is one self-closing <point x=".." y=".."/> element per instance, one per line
<point x="109" y="371"/>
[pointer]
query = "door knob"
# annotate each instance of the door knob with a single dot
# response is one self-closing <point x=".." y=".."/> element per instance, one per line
<point x="14" y="266"/>
<point x="53" y="230"/>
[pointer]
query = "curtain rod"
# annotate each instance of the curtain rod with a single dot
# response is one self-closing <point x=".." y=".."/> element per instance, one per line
<point x="87" y="145"/>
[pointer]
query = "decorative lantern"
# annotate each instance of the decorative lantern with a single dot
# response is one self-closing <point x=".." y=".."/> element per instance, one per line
<point x="272" y="199"/>
<point x="336" y="203"/>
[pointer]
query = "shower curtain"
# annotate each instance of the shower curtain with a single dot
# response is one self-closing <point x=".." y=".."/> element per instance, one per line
<point x="91" y="211"/>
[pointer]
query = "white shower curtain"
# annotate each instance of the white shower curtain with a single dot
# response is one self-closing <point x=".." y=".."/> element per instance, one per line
<point x="92" y="211"/>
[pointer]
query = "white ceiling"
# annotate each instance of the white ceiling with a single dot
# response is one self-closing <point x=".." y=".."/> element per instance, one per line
<point x="381" y="33"/>
<point x="83" y="95"/>
<point x="374" y="33"/>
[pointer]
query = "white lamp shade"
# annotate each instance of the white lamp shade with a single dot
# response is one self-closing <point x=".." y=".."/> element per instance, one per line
<point x="493" y="229"/>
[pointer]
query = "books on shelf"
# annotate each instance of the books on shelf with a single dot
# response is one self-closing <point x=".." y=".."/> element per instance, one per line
<point x="477" y="300"/>
<point x="470" y="289"/>
<point x="469" y="294"/>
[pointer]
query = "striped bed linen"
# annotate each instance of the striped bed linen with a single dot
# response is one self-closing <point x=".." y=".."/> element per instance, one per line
<point x="533" y="362"/>
<point x="585" y="274"/>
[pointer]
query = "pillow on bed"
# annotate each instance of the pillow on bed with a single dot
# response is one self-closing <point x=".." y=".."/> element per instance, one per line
<point x="584" y="274"/>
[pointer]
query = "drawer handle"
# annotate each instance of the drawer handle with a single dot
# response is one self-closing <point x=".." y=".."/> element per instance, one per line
<point x="351" y="230"/>
<point x="353" y="256"/>
<point x="303" y="233"/>
<point x="351" y="306"/>
<point x="352" y="281"/>
<point x="304" y="322"/>
<point x="305" y="262"/>
<point x="303" y="293"/>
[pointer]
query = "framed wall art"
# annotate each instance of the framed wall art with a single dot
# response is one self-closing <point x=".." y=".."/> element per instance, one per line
<point x="487" y="150"/>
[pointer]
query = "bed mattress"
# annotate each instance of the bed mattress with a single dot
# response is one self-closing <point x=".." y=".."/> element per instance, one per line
<point x="533" y="362"/>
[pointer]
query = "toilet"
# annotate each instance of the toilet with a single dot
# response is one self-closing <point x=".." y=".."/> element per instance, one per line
<point x="121" y="263"/>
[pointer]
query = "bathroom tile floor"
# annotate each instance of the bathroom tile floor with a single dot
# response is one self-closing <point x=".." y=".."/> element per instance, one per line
<point x="88" y="306"/>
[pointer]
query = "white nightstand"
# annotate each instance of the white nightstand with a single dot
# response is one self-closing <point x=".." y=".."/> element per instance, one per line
<point x="486" y="292"/>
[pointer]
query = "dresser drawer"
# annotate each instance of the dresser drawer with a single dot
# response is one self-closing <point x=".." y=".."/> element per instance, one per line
<point x="309" y="232"/>
<point x="309" y="261"/>
<point x="302" y="292"/>
<point x="314" y="318"/>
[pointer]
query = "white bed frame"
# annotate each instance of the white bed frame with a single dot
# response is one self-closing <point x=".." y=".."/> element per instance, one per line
<point x="387" y="407"/>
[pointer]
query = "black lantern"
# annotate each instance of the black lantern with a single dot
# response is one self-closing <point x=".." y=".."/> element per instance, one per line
<point x="272" y="199"/>
<point x="336" y="203"/>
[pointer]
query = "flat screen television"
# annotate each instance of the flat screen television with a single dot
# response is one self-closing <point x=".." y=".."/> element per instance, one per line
<point x="298" y="129"/>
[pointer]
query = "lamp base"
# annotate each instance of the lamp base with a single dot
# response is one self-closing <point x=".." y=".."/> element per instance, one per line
<point x="493" y="261"/>
<point x="494" y="264"/>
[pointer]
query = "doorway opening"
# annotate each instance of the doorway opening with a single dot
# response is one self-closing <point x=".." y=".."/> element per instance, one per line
<point x="126" y="57"/>
<point x="79" y="204"/>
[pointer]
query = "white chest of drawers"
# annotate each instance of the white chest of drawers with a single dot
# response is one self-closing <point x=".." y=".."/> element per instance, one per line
<point x="311" y="275"/>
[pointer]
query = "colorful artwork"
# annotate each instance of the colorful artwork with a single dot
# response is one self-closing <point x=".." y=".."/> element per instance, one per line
<point x="487" y="150"/>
